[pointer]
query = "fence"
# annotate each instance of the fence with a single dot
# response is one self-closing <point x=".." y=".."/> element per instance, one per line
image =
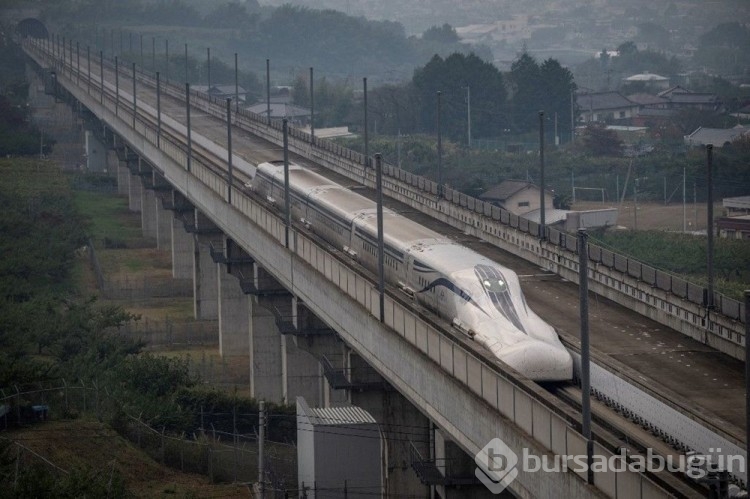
<point x="222" y="456"/>
<point x="172" y="334"/>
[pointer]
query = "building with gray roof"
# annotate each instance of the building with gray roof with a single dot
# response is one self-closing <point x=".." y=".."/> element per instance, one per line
<point x="718" y="137"/>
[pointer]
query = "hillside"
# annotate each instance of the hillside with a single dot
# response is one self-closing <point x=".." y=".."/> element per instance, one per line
<point x="93" y="446"/>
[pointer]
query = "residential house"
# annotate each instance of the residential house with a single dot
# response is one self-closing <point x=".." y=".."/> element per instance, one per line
<point x="605" y="107"/>
<point x="228" y="91"/>
<point x="736" y="225"/>
<point x="297" y="116"/>
<point x="223" y="91"/>
<point x="517" y="196"/>
<point x="718" y="137"/>
<point x="653" y="109"/>
<point x="681" y="98"/>
<point x="522" y="198"/>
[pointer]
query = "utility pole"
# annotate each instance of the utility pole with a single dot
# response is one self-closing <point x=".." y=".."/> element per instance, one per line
<point x="439" y="147"/>
<point x="312" y="109"/>
<point x="158" y="111"/>
<point x="287" y="198"/>
<point x="189" y="133"/>
<point x="153" y="54"/>
<point x="261" y="438"/>
<point x="229" y="150"/>
<point x="583" y="287"/>
<point x="684" y="218"/>
<point x="468" y="115"/>
<point x="367" y="142"/>
<point x="135" y="100"/>
<point x="268" y="89"/>
<point x="572" y="118"/>
<point x="695" y="205"/>
<point x="117" y="85"/>
<point x="101" y="77"/>
<point x="710" y="225"/>
<point x="208" y="58"/>
<point x="166" y="60"/>
<point x="186" y="63"/>
<point x="747" y="371"/>
<point x="635" y="204"/>
<point x="573" y="184"/>
<point x="381" y="247"/>
<point x="542" y="231"/>
<point x="236" y="86"/>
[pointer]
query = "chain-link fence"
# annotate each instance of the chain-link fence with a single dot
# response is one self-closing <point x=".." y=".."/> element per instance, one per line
<point x="222" y="456"/>
<point x="172" y="334"/>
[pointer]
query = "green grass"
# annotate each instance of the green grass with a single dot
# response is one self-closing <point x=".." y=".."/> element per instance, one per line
<point x="685" y="255"/>
<point x="107" y="215"/>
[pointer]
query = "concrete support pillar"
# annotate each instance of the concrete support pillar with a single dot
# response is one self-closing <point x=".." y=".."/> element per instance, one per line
<point x="164" y="224"/>
<point x="205" y="289"/>
<point x="234" y="315"/>
<point x="114" y="164"/>
<point x="303" y="374"/>
<point x="148" y="212"/>
<point x="135" y="193"/>
<point x="403" y="426"/>
<point x="96" y="154"/>
<point x="265" y="355"/>
<point x="182" y="251"/>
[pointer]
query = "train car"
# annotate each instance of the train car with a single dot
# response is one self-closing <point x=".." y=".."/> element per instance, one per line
<point x="476" y="295"/>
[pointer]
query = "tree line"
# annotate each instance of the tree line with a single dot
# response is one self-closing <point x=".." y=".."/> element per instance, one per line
<point x="473" y="93"/>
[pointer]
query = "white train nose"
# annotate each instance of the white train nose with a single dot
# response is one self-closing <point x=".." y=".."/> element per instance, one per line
<point x="537" y="360"/>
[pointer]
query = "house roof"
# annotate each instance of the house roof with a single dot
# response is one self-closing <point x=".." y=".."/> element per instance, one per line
<point x="656" y="112"/>
<point x="227" y="89"/>
<point x="693" y="98"/>
<point x="738" y="203"/>
<point x="280" y="110"/>
<point x="647" y="99"/>
<point x="646" y="77"/>
<point x="716" y="136"/>
<point x="506" y="189"/>
<point x="677" y="89"/>
<point x="603" y="100"/>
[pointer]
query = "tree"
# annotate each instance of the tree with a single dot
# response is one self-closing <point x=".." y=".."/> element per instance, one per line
<point x="540" y="88"/>
<point x="558" y="88"/>
<point x="452" y="76"/>
<point x="526" y="83"/>
<point x="395" y="108"/>
<point x="333" y="101"/>
<point x="601" y="142"/>
<point x="442" y="34"/>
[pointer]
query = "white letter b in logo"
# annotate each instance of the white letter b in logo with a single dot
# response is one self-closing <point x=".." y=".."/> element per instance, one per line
<point x="496" y="465"/>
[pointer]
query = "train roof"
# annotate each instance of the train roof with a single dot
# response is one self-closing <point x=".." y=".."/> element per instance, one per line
<point x="347" y="203"/>
<point x="449" y="256"/>
<point x="400" y="231"/>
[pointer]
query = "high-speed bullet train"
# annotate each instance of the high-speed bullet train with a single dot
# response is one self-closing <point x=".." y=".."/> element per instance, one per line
<point x="475" y="294"/>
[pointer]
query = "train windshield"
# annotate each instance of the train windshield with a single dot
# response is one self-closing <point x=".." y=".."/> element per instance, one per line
<point x="496" y="288"/>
